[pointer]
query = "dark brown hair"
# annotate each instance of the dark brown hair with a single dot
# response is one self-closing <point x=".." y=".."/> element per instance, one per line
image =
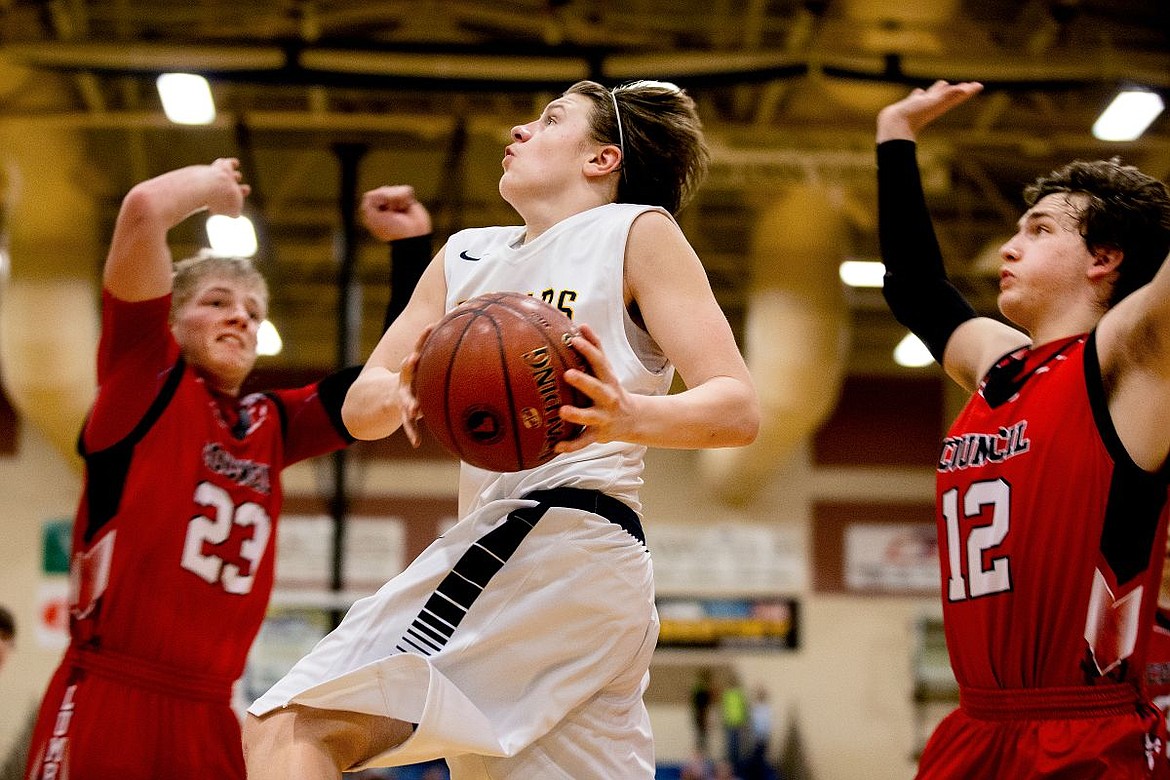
<point x="1123" y="209"/>
<point x="664" y="154"/>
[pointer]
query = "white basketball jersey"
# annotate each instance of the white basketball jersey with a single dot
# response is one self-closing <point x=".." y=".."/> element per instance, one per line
<point x="578" y="266"/>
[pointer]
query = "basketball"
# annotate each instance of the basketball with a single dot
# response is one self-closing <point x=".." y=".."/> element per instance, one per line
<point x="490" y="381"/>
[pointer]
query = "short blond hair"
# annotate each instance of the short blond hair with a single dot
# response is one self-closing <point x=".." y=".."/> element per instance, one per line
<point x="193" y="270"/>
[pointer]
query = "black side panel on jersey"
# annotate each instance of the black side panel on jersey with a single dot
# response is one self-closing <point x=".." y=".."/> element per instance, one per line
<point x="106" y="469"/>
<point x="1136" y="497"/>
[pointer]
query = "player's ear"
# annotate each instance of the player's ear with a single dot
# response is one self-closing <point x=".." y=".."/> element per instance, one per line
<point x="1105" y="261"/>
<point x="606" y="159"/>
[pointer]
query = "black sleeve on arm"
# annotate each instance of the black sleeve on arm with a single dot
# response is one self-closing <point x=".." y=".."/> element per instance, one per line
<point x="408" y="259"/>
<point x="916" y="285"/>
<point x="332" y="390"/>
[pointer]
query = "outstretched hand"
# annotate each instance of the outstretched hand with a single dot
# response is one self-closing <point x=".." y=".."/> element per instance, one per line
<point x="392" y="212"/>
<point x="612" y="416"/>
<point x="906" y="118"/>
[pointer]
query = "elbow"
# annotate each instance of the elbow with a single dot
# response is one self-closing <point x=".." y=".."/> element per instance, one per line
<point x="744" y="426"/>
<point x="355" y="422"/>
<point x="369" y="416"/>
<point x="142" y="208"/>
<point x="749" y="426"/>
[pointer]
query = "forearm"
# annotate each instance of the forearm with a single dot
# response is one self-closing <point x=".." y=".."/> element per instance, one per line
<point x="138" y="265"/>
<point x="166" y="200"/>
<point x="905" y="231"/>
<point x="721" y="412"/>
<point x="372" y="407"/>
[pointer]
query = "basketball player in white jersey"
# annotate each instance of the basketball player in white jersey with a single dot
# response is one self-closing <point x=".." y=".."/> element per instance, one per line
<point x="518" y="644"/>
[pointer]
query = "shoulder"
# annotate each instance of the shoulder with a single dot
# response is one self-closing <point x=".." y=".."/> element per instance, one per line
<point x="654" y="220"/>
<point x="644" y="215"/>
<point x="654" y="231"/>
<point x="476" y="243"/>
<point x="975" y="346"/>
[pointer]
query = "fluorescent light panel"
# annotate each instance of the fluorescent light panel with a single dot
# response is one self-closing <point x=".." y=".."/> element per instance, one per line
<point x="231" y="236"/>
<point x="912" y="353"/>
<point x="861" y="273"/>
<point x="186" y="98"/>
<point x="1128" y="116"/>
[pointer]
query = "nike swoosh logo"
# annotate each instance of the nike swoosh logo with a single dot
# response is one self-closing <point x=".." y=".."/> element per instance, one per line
<point x="466" y="256"/>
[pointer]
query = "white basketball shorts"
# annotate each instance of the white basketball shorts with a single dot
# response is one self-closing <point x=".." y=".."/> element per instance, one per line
<point x="519" y="642"/>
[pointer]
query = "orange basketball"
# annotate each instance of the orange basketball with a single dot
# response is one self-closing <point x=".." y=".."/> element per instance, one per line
<point x="490" y="381"/>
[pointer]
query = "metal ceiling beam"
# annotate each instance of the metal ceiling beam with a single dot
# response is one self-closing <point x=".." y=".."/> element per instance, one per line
<point x="447" y="69"/>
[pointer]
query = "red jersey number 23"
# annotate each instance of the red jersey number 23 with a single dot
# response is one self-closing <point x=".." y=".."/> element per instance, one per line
<point x="226" y="543"/>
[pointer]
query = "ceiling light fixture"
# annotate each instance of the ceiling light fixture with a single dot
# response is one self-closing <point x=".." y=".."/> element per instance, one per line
<point x="268" y="341"/>
<point x="862" y="273"/>
<point x="231" y="236"/>
<point x="1128" y="116"/>
<point x="186" y="98"/>
<point x="912" y="353"/>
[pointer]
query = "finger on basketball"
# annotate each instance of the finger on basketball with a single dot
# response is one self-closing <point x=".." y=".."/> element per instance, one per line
<point x="593" y="386"/>
<point x="588" y="345"/>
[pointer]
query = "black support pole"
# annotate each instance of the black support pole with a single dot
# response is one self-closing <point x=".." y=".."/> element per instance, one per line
<point x="349" y="306"/>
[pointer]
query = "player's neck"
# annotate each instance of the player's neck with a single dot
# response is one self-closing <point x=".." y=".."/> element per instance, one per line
<point x="542" y="214"/>
<point x="1072" y="323"/>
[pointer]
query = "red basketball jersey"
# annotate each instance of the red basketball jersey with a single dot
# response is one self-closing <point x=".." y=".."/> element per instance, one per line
<point x="172" y="560"/>
<point x="1158" y="660"/>
<point x="1051" y="538"/>
<point x="173" y="552"/>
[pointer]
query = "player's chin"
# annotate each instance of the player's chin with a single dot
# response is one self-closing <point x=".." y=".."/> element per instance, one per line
<point x="235" y="366"/>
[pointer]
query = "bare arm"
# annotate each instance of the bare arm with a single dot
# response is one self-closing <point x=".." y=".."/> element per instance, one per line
<point x="1133" y="345"/>
<point x="719" y="408"/>
<point x="138" y="266"/>
<point x="376" y="404"/>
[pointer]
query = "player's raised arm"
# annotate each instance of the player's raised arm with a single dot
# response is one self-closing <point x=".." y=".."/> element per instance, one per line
<point x="916" y="286"/>
<point x="1133" y="337"/>
<point x="138" y="266"/>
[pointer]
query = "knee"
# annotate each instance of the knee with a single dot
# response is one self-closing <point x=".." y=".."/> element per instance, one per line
<point x="286" y="738"/>
<point x="260" y="734"/>
<point x="341" y="739"/>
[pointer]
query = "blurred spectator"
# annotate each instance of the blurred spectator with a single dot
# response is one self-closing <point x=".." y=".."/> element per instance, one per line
<point x="757" y="767"/>
<point x="761" y="720"/>
<point x="7" y="634"/>
<point x="698" y="768"/>
<point x="725" y="770"/>
<point x="701" y="696"/>
<point x="735" y="719"/>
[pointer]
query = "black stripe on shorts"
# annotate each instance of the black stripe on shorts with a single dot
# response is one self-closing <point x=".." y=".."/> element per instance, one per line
<point x="444" y="610"/>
